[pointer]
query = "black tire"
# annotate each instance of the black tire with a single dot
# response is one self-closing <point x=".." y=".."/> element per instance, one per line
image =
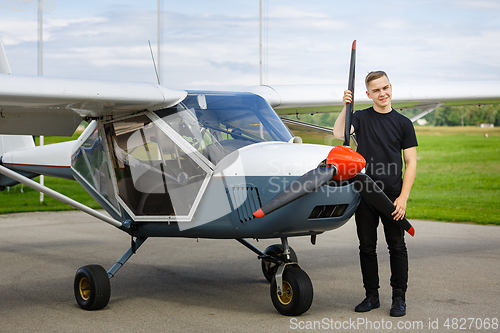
<point x="297" y="294"/>
<point x="92" y="287"/>
<point x="268" y="267"/>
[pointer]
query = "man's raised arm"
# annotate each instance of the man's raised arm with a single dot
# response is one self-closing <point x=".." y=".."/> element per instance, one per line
<point x="339" y="126"/>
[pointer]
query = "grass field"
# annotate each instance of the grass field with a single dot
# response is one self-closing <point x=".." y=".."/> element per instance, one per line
<point x="458" y="175"/>
<point x="458" y="179"/>
<point x="20" y="198"/>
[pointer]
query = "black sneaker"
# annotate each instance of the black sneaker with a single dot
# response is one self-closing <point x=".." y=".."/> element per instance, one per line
<point x="369" y="303"/>
<point x="398" y="308"/>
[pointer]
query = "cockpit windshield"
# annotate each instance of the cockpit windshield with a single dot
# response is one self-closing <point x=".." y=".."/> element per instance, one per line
<point x="218" y="123"/>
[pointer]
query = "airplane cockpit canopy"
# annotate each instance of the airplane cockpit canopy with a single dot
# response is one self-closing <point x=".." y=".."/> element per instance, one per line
<point x="217" y="124"/>
<point x="157" y="165"/>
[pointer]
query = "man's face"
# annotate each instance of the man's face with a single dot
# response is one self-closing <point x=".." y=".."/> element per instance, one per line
<point x="380" y="91"/>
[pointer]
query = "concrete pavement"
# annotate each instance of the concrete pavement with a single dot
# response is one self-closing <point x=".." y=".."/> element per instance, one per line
<point x="174" y="285"/>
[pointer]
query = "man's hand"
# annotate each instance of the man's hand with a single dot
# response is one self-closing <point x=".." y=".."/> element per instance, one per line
<point x="338" y="127"/>
<point x="400" y="210"/>
<point x="347" y="97"/>
<point x="410" y="158"/>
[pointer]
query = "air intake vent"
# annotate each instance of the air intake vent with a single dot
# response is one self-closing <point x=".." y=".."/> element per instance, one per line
<point x="246" y="199"/>
<point x="326" y="211"/>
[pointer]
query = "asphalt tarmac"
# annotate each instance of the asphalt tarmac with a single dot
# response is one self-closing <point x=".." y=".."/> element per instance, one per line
<point x="185" y="285"/>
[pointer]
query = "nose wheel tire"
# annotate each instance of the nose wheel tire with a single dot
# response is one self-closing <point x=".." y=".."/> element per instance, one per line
<point x="297" y="295"/>
<point x="92" y="287"/>
<point x="269" y="268"/>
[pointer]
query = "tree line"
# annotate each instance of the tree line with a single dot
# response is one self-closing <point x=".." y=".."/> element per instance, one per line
<point x="470" y="115"/>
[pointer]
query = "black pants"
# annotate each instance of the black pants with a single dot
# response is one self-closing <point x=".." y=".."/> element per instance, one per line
<point x="367" y="220"/>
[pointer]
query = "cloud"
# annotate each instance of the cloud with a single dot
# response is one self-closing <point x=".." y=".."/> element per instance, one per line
<point x="304" y="42"/>
<point x="15" y="31"/>
<point x="486" y="5"/>
<point x="242" y="67"/>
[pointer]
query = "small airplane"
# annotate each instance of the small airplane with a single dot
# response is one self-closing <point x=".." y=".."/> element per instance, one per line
<point x="200" y="164"/>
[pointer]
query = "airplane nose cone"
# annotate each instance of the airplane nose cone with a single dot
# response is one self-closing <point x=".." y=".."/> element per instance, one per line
<point x="348" y="162"/>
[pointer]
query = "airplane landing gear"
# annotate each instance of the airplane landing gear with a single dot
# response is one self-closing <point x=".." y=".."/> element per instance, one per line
<point x="92" y="283"/>
<point x="291" y="289"/>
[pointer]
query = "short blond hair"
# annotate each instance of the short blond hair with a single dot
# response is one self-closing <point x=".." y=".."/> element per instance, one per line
<point x="373" y="76"/>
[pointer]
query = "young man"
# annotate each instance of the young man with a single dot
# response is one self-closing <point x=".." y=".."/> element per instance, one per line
<point x="382" y="133"/>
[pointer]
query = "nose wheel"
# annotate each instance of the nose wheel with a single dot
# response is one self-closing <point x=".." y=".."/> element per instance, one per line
<point x="296" y="293"/>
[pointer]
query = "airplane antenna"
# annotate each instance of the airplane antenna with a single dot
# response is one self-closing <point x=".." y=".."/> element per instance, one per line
<point x="154" y="63"/>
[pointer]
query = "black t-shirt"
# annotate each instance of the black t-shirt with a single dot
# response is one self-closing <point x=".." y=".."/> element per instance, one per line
<point x="381" y="137"/>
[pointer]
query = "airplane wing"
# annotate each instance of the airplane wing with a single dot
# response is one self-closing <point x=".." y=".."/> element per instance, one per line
<point x="426" y="96"/>
<point x="37" y="105"/>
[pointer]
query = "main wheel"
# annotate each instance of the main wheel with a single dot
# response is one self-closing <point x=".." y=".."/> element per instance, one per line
<point x="268" y="267"/>
<point x="92" y="287"/>
<point x="297" y="295"/>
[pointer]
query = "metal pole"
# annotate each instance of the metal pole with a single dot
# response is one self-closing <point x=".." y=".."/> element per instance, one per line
<point x="40" y="41"/>
<point x="159" y="41"/>
<point x="260" y="40"/>
<point x="40" y="73"/>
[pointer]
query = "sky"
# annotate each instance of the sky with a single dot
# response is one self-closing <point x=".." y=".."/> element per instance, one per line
<point x="215" y="44"/>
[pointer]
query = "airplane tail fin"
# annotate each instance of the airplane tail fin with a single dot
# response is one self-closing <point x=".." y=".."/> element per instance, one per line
<point x="4" y="62"/>
<point x="10" y="143"/>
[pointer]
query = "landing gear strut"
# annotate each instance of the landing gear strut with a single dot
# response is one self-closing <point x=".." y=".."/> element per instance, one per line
<point x="269" y="268"/>
<point x="92" y="283"/>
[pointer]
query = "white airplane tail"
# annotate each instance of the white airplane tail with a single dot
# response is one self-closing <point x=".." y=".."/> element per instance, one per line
<point x="11" y="143"/>
<point x="18" y="153"/>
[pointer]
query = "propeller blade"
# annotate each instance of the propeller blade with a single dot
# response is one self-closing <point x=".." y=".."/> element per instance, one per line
<point x="372" y="193"/>
<point x="350" y="86"/>
<point x="306" y="183"/>
<point x="342" y="163"/>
